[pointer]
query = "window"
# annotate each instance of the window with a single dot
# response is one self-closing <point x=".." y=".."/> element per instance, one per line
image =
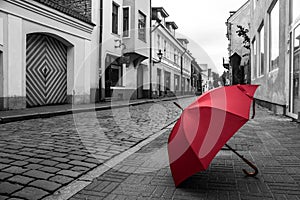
<point x="296" y="61"/>
<point x="274" y="37"/>
<point x="115" y="15"/>
<point x="165" y="48"/>
<point x="116" y="75"/>
<point x="254" y="58"/>
<point x="295" y="9"/>
<point x="182" y="84"/>
<point x="126" y="22"/>
<point x="159" y="80"/>
<point x="167" y="81"/>
<point x="176" y="82"/>
<point x="254" y="4"/>
<point x="142" y="26"/>
<point x="174" y="55"/>
<point x="261" y="51"/>
<point x="113" y="71"/>
<point x="158" y="41"/>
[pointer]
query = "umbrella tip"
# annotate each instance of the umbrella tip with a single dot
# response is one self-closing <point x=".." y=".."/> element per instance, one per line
<point x="178" y="105"/>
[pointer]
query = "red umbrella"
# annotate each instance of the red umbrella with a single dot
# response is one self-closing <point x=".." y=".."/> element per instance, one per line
<point x="204" y="128"/>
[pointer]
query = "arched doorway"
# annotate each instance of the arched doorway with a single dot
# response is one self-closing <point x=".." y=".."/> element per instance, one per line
<point x="46" y="70"/>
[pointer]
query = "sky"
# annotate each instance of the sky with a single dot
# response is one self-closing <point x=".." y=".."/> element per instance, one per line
<point x="202" y="22"/>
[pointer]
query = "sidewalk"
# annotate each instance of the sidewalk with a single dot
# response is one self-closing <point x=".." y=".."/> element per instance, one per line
<point x="271" y="142"/>
<point x="57" y="110"/>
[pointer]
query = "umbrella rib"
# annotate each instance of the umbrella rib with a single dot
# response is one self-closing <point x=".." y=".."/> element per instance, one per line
<point x="221" y="110"/>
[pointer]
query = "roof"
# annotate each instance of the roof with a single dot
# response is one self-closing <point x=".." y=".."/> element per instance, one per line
<point x="66" y="10"/>
<point x="173" y="24"/>
<point x="196" y="65"/>
<point x="163" y="12"/>
<point x="183" y="40"/>
<point x="234" y="13"/>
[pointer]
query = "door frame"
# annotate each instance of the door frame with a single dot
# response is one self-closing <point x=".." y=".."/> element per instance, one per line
<point x="140" y="81"/>
<point x="290" y="110"/>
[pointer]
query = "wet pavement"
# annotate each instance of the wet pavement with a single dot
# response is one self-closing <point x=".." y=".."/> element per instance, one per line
<point x="40" y="157"/>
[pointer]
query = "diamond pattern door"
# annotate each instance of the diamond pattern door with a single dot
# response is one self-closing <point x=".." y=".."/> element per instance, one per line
<point x="46" y="71"/>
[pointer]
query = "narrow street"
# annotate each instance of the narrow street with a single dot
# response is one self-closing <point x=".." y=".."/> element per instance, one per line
<point x="40" y="156"/>
<point x="271" y="142"/>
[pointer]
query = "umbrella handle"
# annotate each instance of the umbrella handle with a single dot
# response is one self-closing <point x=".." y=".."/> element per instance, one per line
<point x="252" y="174"/>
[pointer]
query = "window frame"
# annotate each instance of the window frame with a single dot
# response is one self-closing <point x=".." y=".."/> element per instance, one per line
<point x="142" y="26"/>
<point x="115" y="18"/>
<point x="158" y="40"/>
<point x="176" y="82"/>
<point x="127" y="23"/>
<point x="261" y="49"/>
<point x="254" y="58"/>
<point x="167" y="82"/>
<point x="294" y="19"/>
<point x="272" y="67"/>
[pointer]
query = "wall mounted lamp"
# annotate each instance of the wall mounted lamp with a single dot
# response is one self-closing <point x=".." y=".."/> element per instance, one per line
<point x="160" y="55"/>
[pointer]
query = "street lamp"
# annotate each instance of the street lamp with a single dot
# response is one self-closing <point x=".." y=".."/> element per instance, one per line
<point x="160" y="55"/>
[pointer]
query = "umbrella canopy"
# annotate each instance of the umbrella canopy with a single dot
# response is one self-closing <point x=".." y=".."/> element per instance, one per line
<point x="205" y="126"/>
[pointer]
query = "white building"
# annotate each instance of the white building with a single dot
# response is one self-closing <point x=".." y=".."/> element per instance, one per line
<point x="205" y="77"/>
<point x="172" y="75"/>
<point x="125" y="46"/>
<point x="86" y="52"/>
<point x="43" y="49"/>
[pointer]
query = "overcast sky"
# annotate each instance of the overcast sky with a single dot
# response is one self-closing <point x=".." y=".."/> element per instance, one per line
<point x="203" y="23"/>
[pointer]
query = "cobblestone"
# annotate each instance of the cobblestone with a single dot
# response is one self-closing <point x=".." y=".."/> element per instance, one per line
<point x="4" y="175"/>
<point x="84" y="164"/>
<point x="63" y="166"/>
<point x="31" y="193"/>
<point x="151" y="179"/>
<point x="8" y="188"/>
<point x="45" y="185"/>
<point x="38" y="174"/>
<point x="49" y="162"/>
<point x="61" y="179"/>
<point x="69" y="173"/>
<point x="66" y="147"/>
<point x="20" y="179"/>
<point x="49" y="169"/>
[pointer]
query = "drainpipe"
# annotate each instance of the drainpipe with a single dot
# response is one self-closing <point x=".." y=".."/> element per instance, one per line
<point x="100" y="50"/>
<point x="150" y="48"/>
<point x="150" y="53"/>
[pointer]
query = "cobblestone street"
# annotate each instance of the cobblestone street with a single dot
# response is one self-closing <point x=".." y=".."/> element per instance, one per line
<point x="272" y="142"/>
<point x="40" y="156"/>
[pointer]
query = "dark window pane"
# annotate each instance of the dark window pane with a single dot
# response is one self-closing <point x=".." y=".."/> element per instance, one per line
<point x="115" y="15"/>
<point x="142" y="26"/>
<point x="125" y="22"/>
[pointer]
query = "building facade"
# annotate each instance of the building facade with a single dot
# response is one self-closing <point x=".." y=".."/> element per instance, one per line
<point x="57" y="52"/>
<point x="172" y="75"/>
<point x="43" y="47"/>
<point x="205" y="77"/>
<point x="124" y="71"/>
<point x="275" y="33"/>
<point x="196" y="78"/>
<point x="240" y="71"/>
